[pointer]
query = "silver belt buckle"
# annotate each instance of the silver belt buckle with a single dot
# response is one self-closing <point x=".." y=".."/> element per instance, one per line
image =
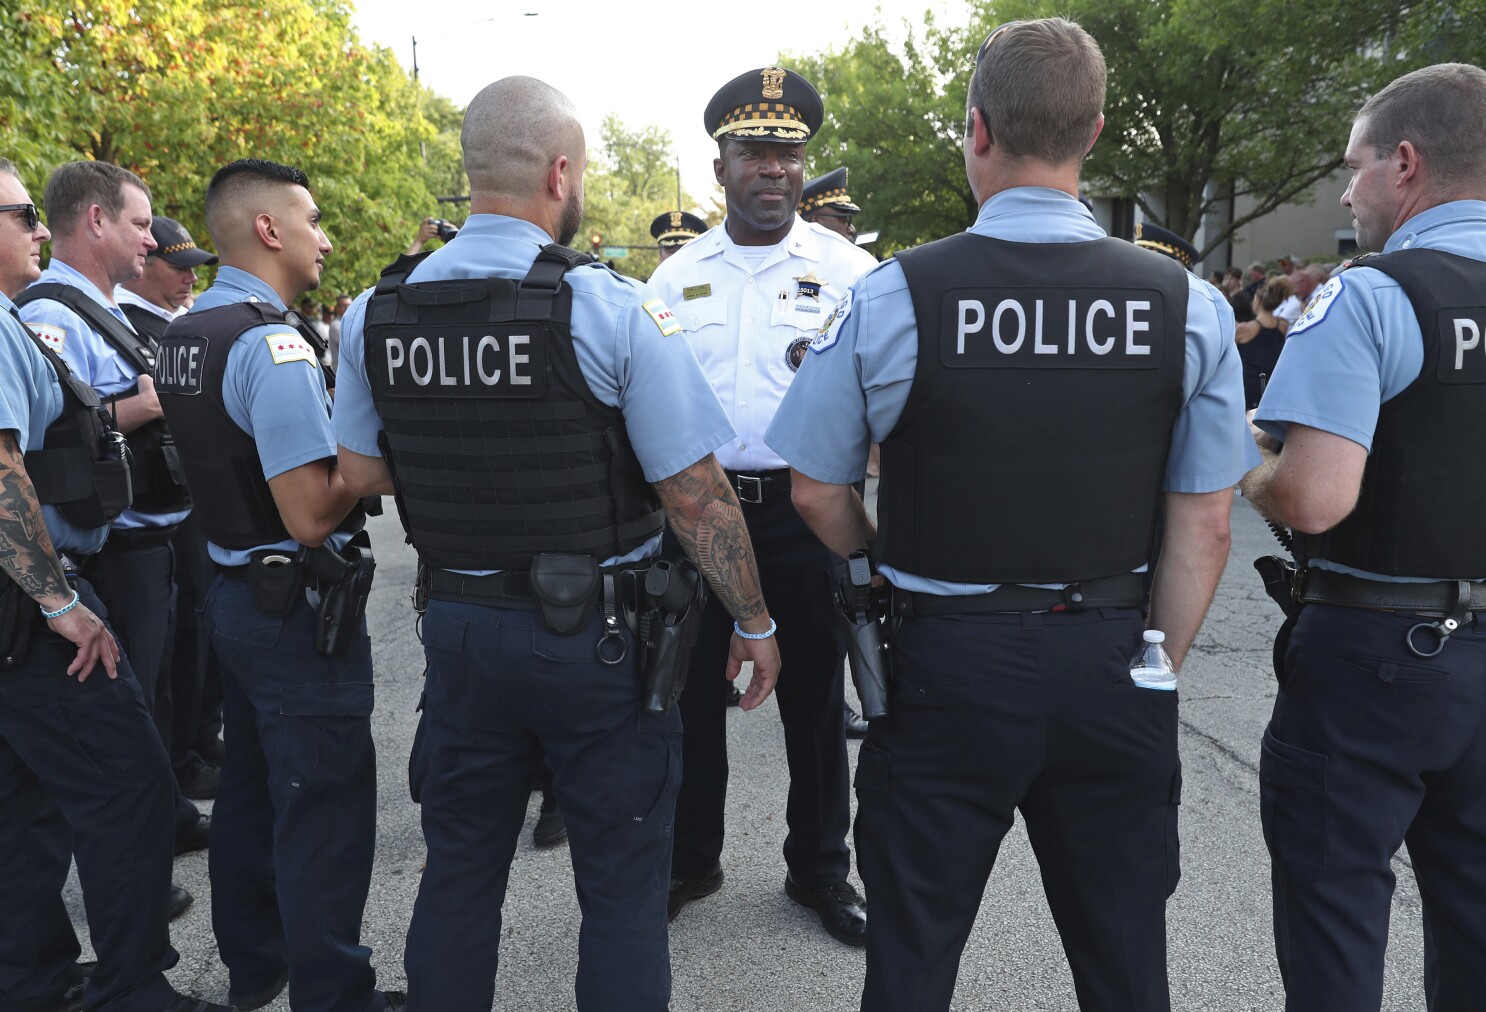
<point x="753" y="494"/>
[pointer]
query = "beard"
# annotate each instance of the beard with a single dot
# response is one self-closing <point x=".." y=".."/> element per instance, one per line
<point x="572" y="219"/>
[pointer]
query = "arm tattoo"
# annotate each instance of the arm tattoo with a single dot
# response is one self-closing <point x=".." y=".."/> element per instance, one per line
<point x="703" y="511"/>
<point x="26" y="553"/>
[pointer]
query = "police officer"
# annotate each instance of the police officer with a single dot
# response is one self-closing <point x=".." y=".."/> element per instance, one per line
<point x="576" y="424"/>
<point x="673" y="229"/>
<point x="106" y="794"/>
<point x="246" y="396"/>
<point x="1373" y="431"/>
<point x="101" y="216"/>
<point x="189" y="705"/>
<point x="1166" y="242"/>
<point x="751" y="294"/>
<point x="825" y="202"/>
<point x="1029" y="435"/>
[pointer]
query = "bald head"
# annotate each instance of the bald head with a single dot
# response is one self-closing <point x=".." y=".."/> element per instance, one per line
<point x="513" y="130"/>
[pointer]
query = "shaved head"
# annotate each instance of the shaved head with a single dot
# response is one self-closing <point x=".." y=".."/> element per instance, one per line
<point x="512" y="132"/>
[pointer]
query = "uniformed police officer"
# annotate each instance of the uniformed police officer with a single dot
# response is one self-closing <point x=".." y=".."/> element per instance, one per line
<point x="574" y="421"/>
<point x="825" y="202"/>
<point x="1379" y="400"/>
<point x="1028" y="434"/>
<point x="1166" y="242"/>
<point x="101" y="217"/>
<point x="189" y="698"/>
<point x="673" y="229"/>
<point x="246" y="397"/>
<point x="751" y="294"/>
<point x="104" y="795"/>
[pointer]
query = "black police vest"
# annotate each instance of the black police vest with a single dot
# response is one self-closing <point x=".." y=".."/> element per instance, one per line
<point x="81" y="467"/>
<point x="1415" y="514"/>
<point x="233" y="501"/>
<point x="154" y="465"/>
<point x="497" y="447"/>
<point x="1033" y="442"/>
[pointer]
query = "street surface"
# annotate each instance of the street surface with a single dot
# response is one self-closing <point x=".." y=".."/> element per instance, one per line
<point x="750" y="948"/>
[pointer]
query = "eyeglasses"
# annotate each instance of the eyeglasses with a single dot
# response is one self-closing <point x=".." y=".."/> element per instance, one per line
<point x="32" y="219"/>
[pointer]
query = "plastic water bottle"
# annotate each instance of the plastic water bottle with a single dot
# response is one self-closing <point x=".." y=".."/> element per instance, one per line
<point x="1151" y="667"/>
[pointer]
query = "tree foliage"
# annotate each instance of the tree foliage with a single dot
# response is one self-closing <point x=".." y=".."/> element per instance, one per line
<point x="631" y="178"/>
<point x="1207" y="100"/>
<point x="173" y="89"/>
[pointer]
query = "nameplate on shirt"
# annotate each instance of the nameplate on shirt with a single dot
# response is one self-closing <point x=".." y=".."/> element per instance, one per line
<point x="1051" y="328"/>
<point x="1462" y="350"/>
<point x="180" y="365"/>
<point x="493" y="362"/>
<point x="703" y="291"/>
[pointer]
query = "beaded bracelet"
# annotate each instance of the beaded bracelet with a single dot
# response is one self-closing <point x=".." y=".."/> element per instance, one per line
<point x="773" y="628"/>
<point x="49" y="615"/>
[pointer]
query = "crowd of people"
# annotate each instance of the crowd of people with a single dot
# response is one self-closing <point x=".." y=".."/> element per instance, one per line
<point x="620" y="493"/>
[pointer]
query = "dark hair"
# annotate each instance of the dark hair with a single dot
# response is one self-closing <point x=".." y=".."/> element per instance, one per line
<point x="236" y="178"/>
<point x="1040" y="87"/>
<point x="77" y="186"/>
<point x="1243" y="308"/>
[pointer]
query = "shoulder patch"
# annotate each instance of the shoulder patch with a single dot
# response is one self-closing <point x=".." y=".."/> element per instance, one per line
<point x="52" y="336"/>
<point x="663" y="317"/>
<point x="830" y="328"/>
<point x="1319" y="306"/>
<point x="290" y="347"/>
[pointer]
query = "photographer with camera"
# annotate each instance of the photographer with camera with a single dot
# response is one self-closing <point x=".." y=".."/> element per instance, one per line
<point x="431" y="228"/>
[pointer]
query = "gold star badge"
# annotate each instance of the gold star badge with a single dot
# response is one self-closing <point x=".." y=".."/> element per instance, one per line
<point x="809" y="285"/>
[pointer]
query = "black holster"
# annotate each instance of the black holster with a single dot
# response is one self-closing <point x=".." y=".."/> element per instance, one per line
<point x="344" y="580"/>
<point x="669" y="598"/>
<point x="1281" y="582"/>
<point x="859" y="614"/>
<point x="18" y="617"/>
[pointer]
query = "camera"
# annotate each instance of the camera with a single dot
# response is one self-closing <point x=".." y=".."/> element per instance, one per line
<point x="446" y="229"/>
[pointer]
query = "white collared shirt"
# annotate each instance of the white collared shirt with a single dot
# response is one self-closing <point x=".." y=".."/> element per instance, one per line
<point x="124" y="297"/>
<point x="751" y="323"/>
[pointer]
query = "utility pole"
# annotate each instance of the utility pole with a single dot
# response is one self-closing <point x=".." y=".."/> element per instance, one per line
<point x="415" y="58"/>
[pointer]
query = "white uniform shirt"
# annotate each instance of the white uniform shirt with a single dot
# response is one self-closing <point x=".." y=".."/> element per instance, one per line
<point x="750" y="320"/>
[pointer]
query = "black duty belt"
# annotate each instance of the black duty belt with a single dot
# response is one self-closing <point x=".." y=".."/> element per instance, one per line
<point x="760" y="487"/>
<point x="131" y="538"/>
<point x="1322" y="586"/>
<point x="1123" y="591"/>
<point x="507" y="589"/>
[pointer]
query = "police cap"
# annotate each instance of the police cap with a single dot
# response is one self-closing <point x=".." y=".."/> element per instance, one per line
<point x="828" y="190"/>
<point x="676" y="228"/>
<point x="770" y="103"/>
<point x="174" y="244"/>
<point x="1165" y="241"/>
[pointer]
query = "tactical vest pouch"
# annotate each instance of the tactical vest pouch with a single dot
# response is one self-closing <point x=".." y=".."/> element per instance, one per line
<point x="277" y="581"/>
<point x="565" y="588"/>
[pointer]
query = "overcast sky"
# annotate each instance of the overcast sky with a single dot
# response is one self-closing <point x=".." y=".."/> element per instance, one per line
<point x="649" y="62"/>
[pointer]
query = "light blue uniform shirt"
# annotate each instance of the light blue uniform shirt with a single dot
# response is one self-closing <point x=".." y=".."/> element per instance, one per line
<point x="1358" y="344"/>
<point x="92" y="359"/>
<point x="671" y="414"/>
<point x="284" y="407"/>
<point x="30" y="400"/>
<point x="851" y="391"/>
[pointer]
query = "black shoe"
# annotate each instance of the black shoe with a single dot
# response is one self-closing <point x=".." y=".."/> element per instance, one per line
<point x="735" y="696"/>
<point x="185" y="1003"/>
<point x="198" y="781"/>
<point x="550" y="830"/>
<point x="395" y="1000"/>
<point x="214" y="752"/>
<point x="177" y="903"/>
<point x="843" y="912"/>
<point x="856" y="727"/>
<point x="260" y="997"/>
<point x="198" y="837"/>
<point x="683" y="891"/>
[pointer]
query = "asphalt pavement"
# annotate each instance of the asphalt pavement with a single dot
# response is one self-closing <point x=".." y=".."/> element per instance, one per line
<point x="750" y="949"/>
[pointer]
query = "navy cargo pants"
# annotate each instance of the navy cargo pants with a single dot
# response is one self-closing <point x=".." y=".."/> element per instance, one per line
<point x="503" y="691"/>
<point x="82" y="771"/>
<point x="991" y="714"/>
<point x="1369" y="748"/>
<point x="294" y="827"/>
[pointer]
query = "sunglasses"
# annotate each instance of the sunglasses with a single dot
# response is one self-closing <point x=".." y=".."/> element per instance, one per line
<point x="32" y="218"/>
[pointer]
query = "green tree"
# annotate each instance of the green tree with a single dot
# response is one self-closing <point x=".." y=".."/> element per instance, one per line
<point x="631" y="178"/>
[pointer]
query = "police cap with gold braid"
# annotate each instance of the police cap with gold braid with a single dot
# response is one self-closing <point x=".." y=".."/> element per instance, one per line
<point x="174" y="244"/>
<point x="676" y="228"/>
<point x="828" y="190"/>
<point x="1167" y="242"/>
<point x="770" y="104"/>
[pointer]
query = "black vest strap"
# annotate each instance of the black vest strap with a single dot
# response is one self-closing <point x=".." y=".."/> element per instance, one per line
<point x="138" y="350"/>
